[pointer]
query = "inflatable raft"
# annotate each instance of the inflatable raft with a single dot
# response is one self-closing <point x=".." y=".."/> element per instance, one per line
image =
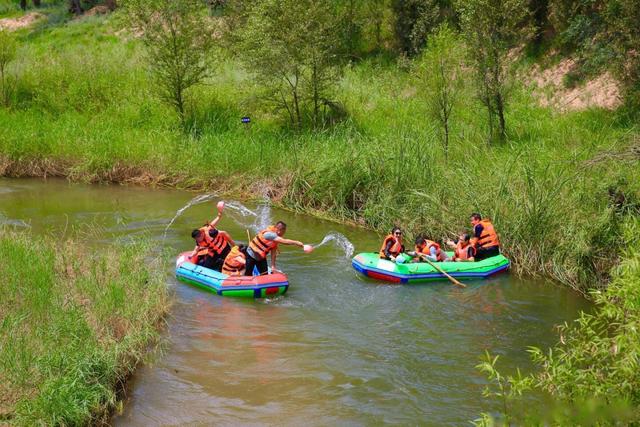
<point x="267" y="285"/>
<point x="370" y="265"/>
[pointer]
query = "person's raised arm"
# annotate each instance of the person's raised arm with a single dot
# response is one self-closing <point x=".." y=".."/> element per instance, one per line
<point x="220" y="207"/>
<point x="228" y="237"/>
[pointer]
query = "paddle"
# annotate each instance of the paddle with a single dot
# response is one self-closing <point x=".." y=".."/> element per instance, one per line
<point x="447" y="275"/>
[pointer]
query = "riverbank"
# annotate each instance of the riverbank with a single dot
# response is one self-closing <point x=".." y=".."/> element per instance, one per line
<point x="548" y="189"/>
<point x="74" y="326"/>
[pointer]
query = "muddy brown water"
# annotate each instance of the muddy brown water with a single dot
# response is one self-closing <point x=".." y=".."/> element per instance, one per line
<point x="335" y="349"/>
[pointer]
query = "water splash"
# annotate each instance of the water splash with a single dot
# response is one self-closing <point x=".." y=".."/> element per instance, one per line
<point x="195" y="201"/>
<point x="240" y="208"/>
<point x="13" y="222"/>
<point x="263" y="217"/>
<point x="340" y="241"/>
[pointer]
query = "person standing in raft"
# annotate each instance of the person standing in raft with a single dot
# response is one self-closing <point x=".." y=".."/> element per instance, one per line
<point x="484" y="238"/>
<point x="266" y="242"/>
<point x="392" y="245"/>
<point x="463" y="249"/>
<point x="429" y="249"/>
<point x="212" y="245"/>
<point x="235" y="262"/>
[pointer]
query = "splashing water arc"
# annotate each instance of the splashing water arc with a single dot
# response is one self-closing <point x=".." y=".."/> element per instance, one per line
<point x="195" y="201"/>
<point x="340" y="241"/>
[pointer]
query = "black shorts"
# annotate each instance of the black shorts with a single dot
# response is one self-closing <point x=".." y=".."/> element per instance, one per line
<point x="484" y="253"/>
<point x="263" y="268"/>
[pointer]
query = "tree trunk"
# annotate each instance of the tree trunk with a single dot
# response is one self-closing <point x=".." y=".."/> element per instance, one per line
<point x="36" y="3"/>
<point x="296" y="103"/>
<point x="446" y="140"/>
<point x="23" y="4"/>
<point x="540" y="17"/>
<point x="4" y="87"/>
<point x="500" y="111"/>
<point x="75" y="7"/>
<point x="316" y="112"/>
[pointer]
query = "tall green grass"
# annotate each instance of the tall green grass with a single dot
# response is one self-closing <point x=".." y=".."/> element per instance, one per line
<point x="84" y="107"/>
<point x="73" y="325"/>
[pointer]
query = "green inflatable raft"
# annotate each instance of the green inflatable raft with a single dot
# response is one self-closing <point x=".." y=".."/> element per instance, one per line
<point x="370" y="265"/>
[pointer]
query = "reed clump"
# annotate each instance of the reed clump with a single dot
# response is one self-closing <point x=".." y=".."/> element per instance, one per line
<point x="74" y="323"/>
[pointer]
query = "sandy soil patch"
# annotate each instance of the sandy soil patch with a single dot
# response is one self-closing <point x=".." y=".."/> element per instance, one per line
<point x="12" y="24"/>
<point x="602" y="91"/>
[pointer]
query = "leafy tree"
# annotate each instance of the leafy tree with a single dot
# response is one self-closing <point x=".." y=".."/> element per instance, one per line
<point x="374" y="15"/>
<point x="539" y="9"/>
<point x="293" y="47"/>
<point x="623" y="24"/>
<point x="179" y="39"/>
<point x="352" y="22"/>
<point x="491" y="28"/>
<point x="439" y="74"/>
<point x="23" y="4"/>
<point x="416" y="19"/>
<point x="8" y="48"/>
<point x="75" y="7"/>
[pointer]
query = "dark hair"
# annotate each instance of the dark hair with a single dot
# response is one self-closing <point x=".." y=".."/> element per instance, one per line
<point x="465" y="236"/>
<point x="420" y="240"/>
<point x="242" y="247"/>
<point x="213" y="232"/>
<point x="476" y="215"/>
<point x="394" y="229"/>
<point x="281" y="224"/>
<point x="196" y="233"/>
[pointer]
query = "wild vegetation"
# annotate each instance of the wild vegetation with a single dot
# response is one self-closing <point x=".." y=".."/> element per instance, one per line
<point x="365" y="112"/>
<point x="72" y="326"/>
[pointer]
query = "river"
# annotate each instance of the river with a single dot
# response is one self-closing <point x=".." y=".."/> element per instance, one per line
<point x="336" y="349"/>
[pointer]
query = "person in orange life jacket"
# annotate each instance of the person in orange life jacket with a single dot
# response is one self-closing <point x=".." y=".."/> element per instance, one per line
<point x="426" y="248"/>
<point x="220" y="246"/>
<point x="392" y="245"/>
<point x="216" y="243"/>
<point x="484" y="238"/>
<point x="234" y="263"/>
<point x="266" y="242"/>
<point x="463" y="249"/>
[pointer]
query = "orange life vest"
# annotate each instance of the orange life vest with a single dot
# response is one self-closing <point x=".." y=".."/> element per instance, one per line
<point x="261" y="246"/>
<point x="440" y="255"/>
<point x="462" y="252"/>
<point x="218" y="244"/>
<point x="203" y="247"/>
<point x="232" y="266"/>
<point x="488" y="238"/>
<point x="394" y="250"/>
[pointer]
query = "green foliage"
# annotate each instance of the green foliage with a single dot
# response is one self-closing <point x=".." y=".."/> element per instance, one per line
<point x="84" y="108"/>
<point x="490" y="28"/>
<point x="440" y="78"/>
<point x="293" y="48"/>
<point x="593" y="371"/>
<point x="598" y="355"/>
<point x="416" y="19"/>
<point x="8" y="49"/>
<point x="507" y="389"/>
<point x="74" y="326"/>
<point x="622" y="17"/>
<point x="179" y="40"/>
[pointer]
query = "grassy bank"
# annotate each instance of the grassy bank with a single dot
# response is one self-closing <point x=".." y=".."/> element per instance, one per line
<point x="73" y="326"/>
<point x="84" y="107"/>
<point x="592" y="372"/>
